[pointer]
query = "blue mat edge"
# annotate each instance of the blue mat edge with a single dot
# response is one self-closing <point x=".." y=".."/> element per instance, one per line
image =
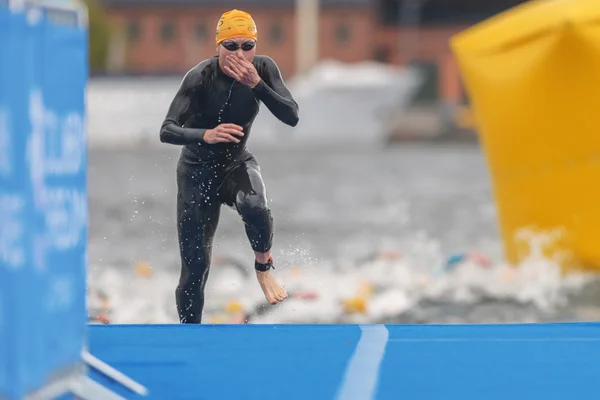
<point x="318" y="326"/>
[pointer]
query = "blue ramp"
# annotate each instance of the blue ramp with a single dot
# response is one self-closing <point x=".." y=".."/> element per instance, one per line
<point x="536" y="361"/>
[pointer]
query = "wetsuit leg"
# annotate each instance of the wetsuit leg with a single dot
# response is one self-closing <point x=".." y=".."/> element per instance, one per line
<point x="198" y="211"/>
<point x="245" y="190"/>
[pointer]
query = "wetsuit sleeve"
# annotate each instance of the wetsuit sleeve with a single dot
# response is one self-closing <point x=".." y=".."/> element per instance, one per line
<point x="172" y="130"/>
<point x="271" y="90"/>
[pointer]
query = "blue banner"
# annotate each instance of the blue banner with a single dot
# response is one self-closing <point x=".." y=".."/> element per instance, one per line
<point x="43" y="204"/>
<point x="19" y="284"/>
<point x="59" y="185"/>
<point x="5" y="152"/>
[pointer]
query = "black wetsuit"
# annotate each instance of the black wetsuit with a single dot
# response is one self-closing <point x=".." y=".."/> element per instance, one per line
<point x="209" y="175"/>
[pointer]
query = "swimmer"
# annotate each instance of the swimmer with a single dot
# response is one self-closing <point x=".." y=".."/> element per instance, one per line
<point x="211" y="117"/>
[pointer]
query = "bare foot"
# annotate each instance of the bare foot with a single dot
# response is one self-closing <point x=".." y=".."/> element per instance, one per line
<point x="273" y="291"/>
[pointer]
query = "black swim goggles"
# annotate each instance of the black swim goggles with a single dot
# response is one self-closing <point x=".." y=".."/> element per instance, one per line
<point x="233" y="46"/>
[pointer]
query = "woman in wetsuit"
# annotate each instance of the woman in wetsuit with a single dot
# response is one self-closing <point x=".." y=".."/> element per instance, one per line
<point x="211" y="117"/>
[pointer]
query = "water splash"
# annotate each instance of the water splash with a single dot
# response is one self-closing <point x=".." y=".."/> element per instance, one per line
<point x="390" y="283"/>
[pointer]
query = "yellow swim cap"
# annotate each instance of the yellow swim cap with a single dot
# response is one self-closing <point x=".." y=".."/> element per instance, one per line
<point x="235" y="23"/>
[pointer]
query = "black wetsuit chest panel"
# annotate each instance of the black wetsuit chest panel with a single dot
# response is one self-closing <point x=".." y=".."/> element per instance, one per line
<point x="208" y="97"/>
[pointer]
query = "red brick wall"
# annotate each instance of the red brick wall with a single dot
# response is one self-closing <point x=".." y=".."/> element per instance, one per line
<point x="149" y="55"/>
<point x="426" y="44"/>
<point x="358" y="46"/>
<point x="364" y="38"/>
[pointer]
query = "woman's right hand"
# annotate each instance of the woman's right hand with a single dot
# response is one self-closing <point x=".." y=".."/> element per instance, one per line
<point x="223" y="133"/>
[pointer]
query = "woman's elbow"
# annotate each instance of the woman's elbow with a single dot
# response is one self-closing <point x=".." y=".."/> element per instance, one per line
<point x="164" y="133"/>
<point x="293" y="118"/>
<point x="163" y="136"/>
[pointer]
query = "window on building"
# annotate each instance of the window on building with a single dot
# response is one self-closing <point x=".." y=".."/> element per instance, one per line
<point x="342" y="33"/>
<point x="201" y="32"/>
<point x="426" y="12"/>
<point x="388" y="12"/>
<point x="167" y="31"/>
<point x="276" y="33"/>
<point x="133" y="30"/>
<point x="382" y="54"/>
<point x="439" y="12"/>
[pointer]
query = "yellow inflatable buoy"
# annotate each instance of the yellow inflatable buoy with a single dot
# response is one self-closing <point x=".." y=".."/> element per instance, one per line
<point x="355" y="305"/>
<point x="234" y="306"/>
<point x="217" y="319"/>
<point x="143" y="269"/>
<point x="358" y="303"/>
<point x="532" y="77"/>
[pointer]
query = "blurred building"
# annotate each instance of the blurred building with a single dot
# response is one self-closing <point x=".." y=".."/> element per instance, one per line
<point x="170" y="36"/>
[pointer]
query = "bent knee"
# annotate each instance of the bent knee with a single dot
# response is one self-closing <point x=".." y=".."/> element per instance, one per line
<point x="252" y="203"/>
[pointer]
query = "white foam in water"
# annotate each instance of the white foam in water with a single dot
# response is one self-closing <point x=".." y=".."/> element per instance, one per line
<point x="386" y="287"/>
